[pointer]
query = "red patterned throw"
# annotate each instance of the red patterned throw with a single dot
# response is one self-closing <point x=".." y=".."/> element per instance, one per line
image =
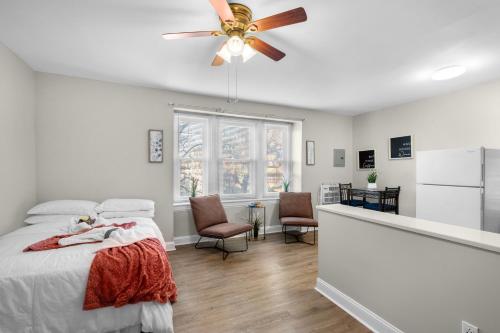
<point x="139" y="272"/>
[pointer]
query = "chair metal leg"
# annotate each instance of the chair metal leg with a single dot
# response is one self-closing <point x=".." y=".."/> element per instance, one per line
<point x="299" y="237"/>
<point x="225" y="253"/>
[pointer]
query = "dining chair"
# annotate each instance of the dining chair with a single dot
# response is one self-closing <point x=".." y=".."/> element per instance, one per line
<point x="346" y="196"/>
<point x="295" y="210"/>
<point x="389" y="201"/>
<point x="211" y="222"/>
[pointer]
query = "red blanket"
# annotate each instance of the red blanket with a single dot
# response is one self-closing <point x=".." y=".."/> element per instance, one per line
<point x="138" y="272"/>
<point x="53" y="242"/>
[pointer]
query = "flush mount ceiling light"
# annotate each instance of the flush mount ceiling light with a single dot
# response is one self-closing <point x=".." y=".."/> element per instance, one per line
<point x="448" y="73"/>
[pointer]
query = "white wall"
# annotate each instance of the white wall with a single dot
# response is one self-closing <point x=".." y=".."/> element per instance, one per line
<point x="92" y="142"/>
<point x="17" y="140"/>
<point x="468" y="118"/>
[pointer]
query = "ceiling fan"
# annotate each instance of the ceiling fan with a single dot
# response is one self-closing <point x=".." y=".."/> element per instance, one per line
<point x="237" y="24"/>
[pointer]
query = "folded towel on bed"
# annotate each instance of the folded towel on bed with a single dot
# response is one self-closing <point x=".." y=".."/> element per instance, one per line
<point x="139" y="272"/>
<point x="54" y="242"/>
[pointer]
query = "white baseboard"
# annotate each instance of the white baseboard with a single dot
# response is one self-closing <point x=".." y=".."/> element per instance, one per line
<point x="184" y="240"/>
<point x="191" y="239"/>
<point x="170" y="246"/>
<point x="364" y="315"/>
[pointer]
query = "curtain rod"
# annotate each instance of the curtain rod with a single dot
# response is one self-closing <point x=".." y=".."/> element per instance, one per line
<point x="221" y="111"/>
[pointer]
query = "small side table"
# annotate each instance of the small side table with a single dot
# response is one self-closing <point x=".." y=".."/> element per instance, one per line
<point x="252" y="212"/>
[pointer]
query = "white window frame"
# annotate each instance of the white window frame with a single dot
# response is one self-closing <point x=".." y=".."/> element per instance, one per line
<point x="177" y="159"/>
<point x="252" y="157"/>
<point x="212" y="175"/>
<point x="286" y="156"/>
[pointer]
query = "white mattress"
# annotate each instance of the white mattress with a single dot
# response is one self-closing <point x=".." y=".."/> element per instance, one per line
<point x="44" y="291"/>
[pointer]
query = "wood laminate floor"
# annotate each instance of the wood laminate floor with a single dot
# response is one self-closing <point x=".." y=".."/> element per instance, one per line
<point x="270" y="288"/>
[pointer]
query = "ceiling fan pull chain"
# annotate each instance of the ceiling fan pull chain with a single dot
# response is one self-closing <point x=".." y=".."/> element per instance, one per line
<point x="232" y="80"/>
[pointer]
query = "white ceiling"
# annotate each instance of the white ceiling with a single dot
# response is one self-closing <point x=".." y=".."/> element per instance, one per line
<point x="351" y="56"/>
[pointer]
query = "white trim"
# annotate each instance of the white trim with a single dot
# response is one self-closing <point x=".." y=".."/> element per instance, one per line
<point x="170" y="246"/>
<point x="364" y="315"/>
<point x="228" y="203"/>
<point x="184" y="240"/>
<point x="191" y="239"/>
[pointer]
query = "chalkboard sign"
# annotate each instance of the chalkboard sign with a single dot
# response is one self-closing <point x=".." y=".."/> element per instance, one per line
<point x="401" y="147"/>
<point x="366" y="159"/>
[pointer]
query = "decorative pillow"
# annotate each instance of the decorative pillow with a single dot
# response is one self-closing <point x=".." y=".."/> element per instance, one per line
<point x="126" y="205"/>
<point x="139" y="213"/>
<point x="36" y="219"/>
<point x="65" y="207"/>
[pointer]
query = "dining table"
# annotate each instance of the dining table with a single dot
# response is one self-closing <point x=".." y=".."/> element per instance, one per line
<point x="365" y="192"/>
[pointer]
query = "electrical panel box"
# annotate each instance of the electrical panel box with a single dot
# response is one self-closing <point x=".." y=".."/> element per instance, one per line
<point x="339" y="158"/>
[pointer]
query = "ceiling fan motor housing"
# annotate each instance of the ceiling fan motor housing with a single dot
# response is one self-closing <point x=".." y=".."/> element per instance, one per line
<point x="243" y="18"/>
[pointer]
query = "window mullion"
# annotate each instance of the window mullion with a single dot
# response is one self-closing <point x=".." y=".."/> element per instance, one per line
<point x="214" y="155"/>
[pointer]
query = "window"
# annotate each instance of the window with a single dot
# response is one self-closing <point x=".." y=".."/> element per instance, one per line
<point x="237" y="158"/>
<point x="277" y="163"/>
<point x="192" y="157"/>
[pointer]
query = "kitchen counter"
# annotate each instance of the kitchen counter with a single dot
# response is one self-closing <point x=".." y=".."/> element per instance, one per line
<point x="400" y="274"/>
<point x="476" y="238"/>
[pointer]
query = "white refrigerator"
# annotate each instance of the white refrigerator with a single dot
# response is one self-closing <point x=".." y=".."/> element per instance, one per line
<point x="460" y="187"/>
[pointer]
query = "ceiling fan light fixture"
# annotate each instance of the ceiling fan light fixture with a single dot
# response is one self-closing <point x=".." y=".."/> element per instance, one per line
<point x="225" y="54"/>
<point x="235" y="46"/>
<point x="248" y="52"/>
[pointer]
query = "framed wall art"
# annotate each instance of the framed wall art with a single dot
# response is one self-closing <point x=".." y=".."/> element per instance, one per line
<point x="401" y="147"/>
<point x="310" y="153"/>
<point x="155" y="146"/>
<point x="366" y="159"/>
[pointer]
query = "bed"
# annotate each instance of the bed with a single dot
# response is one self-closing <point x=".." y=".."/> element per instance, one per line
<point x="44" y="291"/>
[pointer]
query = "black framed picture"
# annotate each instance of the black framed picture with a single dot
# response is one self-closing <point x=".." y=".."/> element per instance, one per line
<point x="155" y="146"/>
<point x="401" y="147"/>
<point x="366" y="159"/>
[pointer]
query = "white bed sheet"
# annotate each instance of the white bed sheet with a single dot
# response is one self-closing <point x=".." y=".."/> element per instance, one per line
<point x="44" y="291"/>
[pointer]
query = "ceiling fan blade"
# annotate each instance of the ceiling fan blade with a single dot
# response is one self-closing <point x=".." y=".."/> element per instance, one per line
<point x="180" y="35"/>
<point x="266" y="49"/>
<point x="218" y="60"/>
<point x="223" y="10"/>
<point x="293" y="16"/>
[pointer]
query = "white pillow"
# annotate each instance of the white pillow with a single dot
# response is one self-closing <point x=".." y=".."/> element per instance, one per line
<point x="139" y="213"/>
<point x="65" y="207"/>
<point x="126" y="205"/>
<point x="36" y="219"/>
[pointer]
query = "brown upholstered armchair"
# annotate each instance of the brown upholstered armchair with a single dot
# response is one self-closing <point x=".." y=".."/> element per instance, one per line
<point x="211" y="222"/>
<point x="296" y="211"/>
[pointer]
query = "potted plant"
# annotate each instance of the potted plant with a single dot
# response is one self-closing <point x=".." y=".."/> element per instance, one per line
<point x="256" y="224"/>
<point x="286" y="185"/>
<point x="194" y="186"/>
<point x="372" y="179"/>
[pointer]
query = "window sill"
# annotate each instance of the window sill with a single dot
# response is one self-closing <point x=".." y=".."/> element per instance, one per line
<point x="227" y="202"/>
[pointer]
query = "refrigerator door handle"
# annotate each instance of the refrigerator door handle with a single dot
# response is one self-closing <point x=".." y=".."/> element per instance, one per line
<point x="482" y="207"/>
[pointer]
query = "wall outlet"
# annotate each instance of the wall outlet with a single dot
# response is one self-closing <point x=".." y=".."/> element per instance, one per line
<point x="468" y="328"/>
